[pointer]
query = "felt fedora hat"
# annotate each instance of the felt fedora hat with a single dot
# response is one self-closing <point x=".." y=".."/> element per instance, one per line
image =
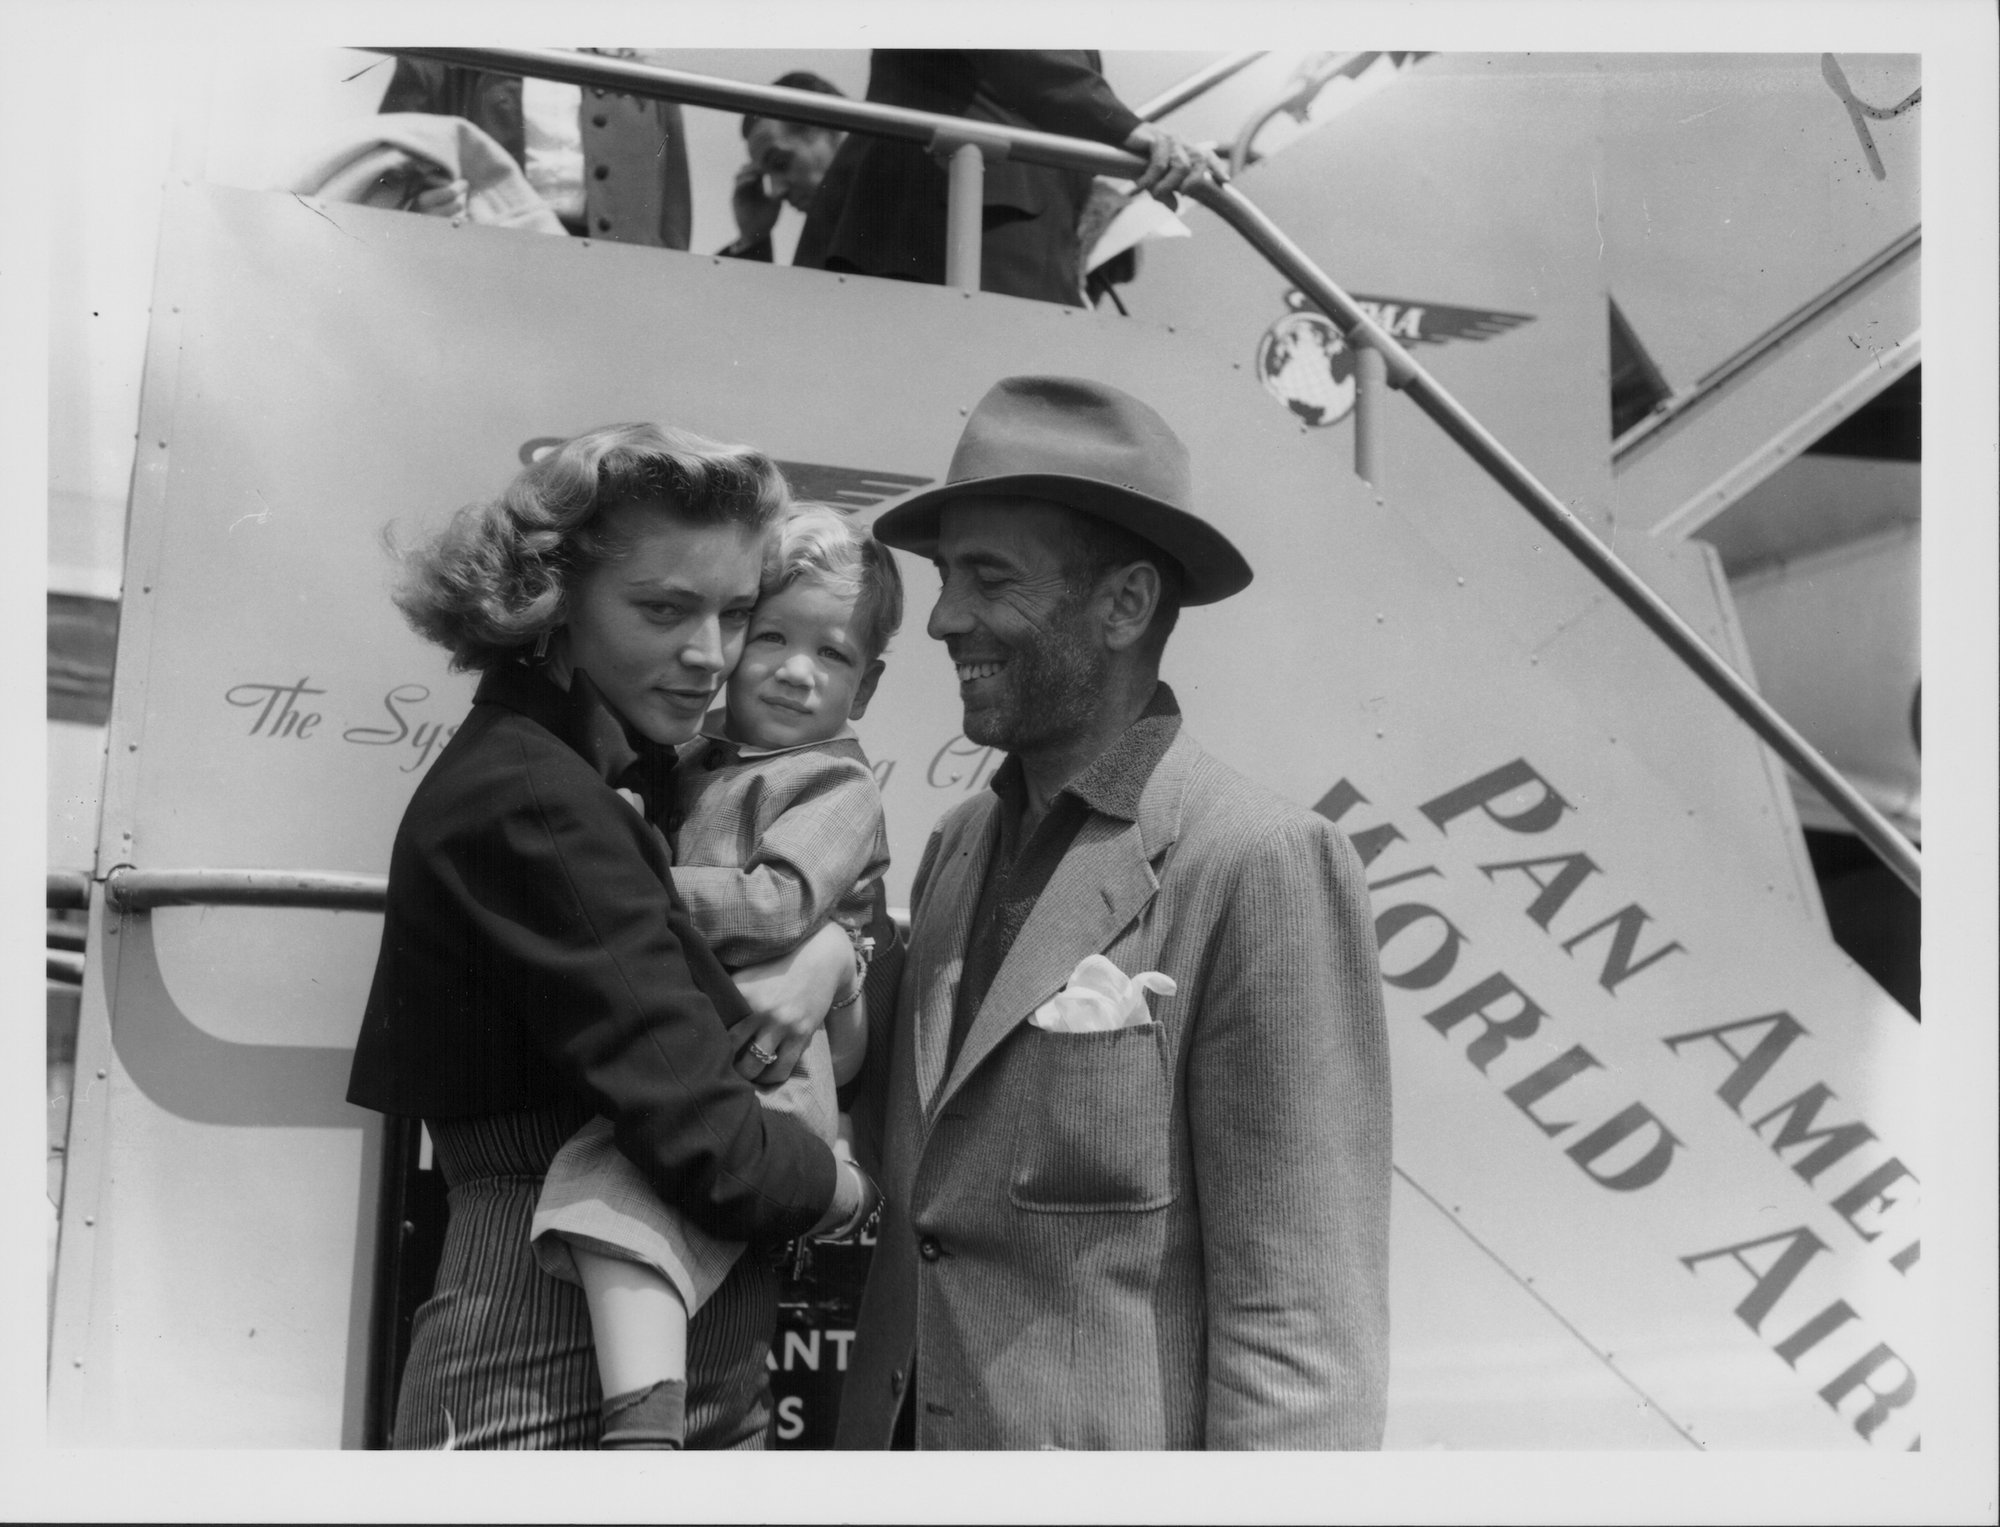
<point x="1088" y="447"/>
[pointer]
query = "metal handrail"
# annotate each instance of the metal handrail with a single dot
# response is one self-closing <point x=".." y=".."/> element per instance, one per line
<point x="620" y="74"/>
<point x="1174" y="97"/>
<point x="1297" y="97"/>
<point x="1655" y="613"/>
<point x="1263" y="235"/>
<point x="1705" y="387"/>
<point x="135" y="890"/>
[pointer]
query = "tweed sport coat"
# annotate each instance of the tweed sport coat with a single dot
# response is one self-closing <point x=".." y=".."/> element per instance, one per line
<point x="1165" y="1236"/>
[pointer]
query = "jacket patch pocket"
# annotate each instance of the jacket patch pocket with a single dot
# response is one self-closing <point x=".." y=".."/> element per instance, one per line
<point x="1094" y="1130"/>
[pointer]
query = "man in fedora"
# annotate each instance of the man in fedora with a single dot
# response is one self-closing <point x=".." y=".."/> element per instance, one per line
<point x="1131" y="1112"/>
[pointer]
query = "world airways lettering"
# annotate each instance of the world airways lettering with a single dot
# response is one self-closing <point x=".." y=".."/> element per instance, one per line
<point x="1574" y="1100"/>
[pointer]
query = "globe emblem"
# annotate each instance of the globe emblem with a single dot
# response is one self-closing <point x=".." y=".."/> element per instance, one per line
<point x="1306" y="366"/>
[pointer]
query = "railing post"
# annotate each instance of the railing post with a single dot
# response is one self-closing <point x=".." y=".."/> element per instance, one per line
<point x="1371" y="378"/>
<point x="965" y="147"/>
<point x="965" y="213"/>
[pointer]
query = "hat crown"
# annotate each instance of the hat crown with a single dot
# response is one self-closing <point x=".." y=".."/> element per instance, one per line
<point x="1089" y="448"/>
<point x="1071" y="427"/>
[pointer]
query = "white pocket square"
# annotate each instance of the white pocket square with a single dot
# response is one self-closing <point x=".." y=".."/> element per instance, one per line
<point x="1100" y="996"/>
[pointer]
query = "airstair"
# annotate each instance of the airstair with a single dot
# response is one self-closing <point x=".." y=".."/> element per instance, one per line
<point x="1656" y="1135"/>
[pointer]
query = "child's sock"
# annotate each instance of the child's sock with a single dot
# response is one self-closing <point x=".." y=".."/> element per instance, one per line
<point x="654" y="1417"/>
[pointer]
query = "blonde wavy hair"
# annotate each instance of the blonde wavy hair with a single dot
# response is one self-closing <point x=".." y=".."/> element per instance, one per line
<point x="499" y="575"/>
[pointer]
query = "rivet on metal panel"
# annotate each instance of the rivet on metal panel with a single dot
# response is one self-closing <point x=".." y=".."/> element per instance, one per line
<point x="79" y="1362"/>
<point x="163" y="445"/>
<point x="1461" y="583"/>
<point x="1378" y="731"/>
<point x="90" y="1219"/>
<point x="102" y="1073"/>
<point x="1170" y="328"/>
<point x="1378" y="617"/>
<point x="145" y="588"/>
<point x="131" y="747"/>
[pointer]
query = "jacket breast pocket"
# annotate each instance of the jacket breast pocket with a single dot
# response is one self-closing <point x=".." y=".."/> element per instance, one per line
<point x="1095" y="1130"/>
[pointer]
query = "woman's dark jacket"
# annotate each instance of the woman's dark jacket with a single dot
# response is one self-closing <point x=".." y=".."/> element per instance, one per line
<point x="534" y="949"/>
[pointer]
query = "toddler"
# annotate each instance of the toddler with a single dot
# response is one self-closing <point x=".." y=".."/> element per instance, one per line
<point x="781" y="830"/>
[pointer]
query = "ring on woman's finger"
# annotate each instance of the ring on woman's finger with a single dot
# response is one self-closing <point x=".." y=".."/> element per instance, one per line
<point x="759" y="1054"/>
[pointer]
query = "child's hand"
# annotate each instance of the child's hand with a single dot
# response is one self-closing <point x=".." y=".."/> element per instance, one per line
<point x="788" y="999"/>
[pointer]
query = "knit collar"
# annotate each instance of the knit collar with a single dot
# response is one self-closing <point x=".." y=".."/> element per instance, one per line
<point x="1113" y="782"/>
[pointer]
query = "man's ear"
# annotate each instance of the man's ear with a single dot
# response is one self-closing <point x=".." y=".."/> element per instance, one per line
<point x="1134" y="599"/>
<point x="865" y="690"/>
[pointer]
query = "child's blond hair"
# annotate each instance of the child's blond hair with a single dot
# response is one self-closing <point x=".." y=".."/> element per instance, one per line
<point x="823" y="543"/>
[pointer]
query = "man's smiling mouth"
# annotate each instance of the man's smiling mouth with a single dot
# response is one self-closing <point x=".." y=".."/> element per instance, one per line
<point x="967" y="672"/>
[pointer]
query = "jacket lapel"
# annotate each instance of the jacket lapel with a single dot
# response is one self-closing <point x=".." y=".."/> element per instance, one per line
<point x="937" y="956"/>
<point x="1103" y="883"/>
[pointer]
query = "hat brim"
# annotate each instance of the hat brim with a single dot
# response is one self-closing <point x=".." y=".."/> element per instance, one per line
<point x="1211" y="568"/>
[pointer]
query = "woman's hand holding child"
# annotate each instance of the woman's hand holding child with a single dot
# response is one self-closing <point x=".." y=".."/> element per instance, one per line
<point x="789" y="998"/>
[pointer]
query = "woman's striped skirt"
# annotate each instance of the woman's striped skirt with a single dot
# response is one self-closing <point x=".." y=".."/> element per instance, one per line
<point x="500" y="1354"/>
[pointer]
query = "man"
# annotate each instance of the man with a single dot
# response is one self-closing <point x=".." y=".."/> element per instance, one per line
<point x="1173" y="1233"/>
<point x="787" y="161"/>
<point x="881" y="209"/>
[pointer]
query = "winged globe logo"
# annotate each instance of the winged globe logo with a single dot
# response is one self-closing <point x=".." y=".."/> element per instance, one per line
<point x="1306" y="365"/>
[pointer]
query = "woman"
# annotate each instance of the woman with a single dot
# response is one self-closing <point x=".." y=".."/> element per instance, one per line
<point x="537" y="966"/>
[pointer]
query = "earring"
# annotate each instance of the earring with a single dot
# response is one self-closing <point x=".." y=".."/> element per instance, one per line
<point x="542" y="647"/>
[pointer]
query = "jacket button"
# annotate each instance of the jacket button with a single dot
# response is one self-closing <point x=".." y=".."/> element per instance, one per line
<point x="602" y="172"/>
<point x="929" y="1249"/>
<point x="604" y="225"/>
<point x="896" y="1382"/>
<point x="598" y="120"/>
